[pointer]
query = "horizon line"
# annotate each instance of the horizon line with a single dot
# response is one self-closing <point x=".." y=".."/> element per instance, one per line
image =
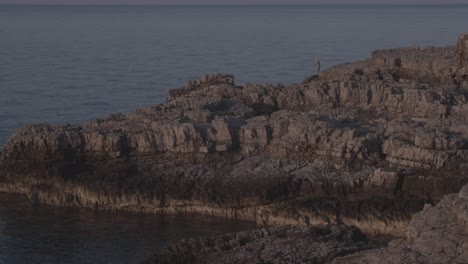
<point x="206" y="5"/>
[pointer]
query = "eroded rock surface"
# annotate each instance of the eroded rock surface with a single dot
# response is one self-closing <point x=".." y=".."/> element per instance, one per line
<point x="289" y="244"/>
<point x="364" y="144"/>
<point x="462" y="67"/>
<point x="437" y="235"/>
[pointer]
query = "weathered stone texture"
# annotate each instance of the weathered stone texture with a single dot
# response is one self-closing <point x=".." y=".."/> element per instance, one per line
<point x="287" y="244"/>
<point x="437" y="235"/>
<point x="364" y="144"/>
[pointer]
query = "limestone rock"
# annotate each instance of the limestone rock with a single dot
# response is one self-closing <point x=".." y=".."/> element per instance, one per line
<point x="462" y="50"/>
<point x="436" y="235"/>
<point x="287" y="244"/>
<point x="462" y="53"/>
<point x="364" y="144"/>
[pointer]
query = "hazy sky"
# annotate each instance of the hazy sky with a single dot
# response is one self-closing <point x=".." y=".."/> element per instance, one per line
<point x="233" y="2"/>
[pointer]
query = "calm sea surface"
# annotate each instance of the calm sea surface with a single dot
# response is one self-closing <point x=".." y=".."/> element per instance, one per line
<point x="53" y="235"/>
<point x="63" y="64"/>
<point x="69" y="64"/>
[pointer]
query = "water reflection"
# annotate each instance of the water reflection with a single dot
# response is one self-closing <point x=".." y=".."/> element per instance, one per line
<point x="31" y="234"/>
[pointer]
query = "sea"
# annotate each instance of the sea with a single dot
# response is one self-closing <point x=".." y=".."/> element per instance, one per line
<point x="69" y="64"/>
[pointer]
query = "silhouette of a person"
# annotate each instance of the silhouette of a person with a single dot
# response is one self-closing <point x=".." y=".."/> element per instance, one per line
<point x="317" y="64"/>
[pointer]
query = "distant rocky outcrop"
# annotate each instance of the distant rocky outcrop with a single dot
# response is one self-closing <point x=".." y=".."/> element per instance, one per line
<point x="364" y="144"/>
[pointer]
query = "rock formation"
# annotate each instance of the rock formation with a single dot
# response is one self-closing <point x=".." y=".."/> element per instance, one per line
<point x="437" y="235"/>
<point x="462" y="53"/>
<point x="288" y="244"/>
<point x="365" y="144"/>
<point x="462" y="50"/>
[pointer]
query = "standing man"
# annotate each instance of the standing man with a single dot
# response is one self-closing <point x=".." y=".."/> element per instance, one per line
<point x="317" y="64"/>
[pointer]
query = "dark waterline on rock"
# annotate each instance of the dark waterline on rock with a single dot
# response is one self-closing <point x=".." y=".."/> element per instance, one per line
<point x="46" y="234"/>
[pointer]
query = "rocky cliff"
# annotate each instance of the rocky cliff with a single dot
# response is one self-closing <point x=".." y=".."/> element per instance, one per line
<point x="364" y="144"/>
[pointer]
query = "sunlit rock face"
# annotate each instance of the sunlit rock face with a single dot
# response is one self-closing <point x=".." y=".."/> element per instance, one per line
<point x="364" y="144"/>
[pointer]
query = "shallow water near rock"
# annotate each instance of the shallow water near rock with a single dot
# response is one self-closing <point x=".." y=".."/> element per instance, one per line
<point x="46" y="234"/>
